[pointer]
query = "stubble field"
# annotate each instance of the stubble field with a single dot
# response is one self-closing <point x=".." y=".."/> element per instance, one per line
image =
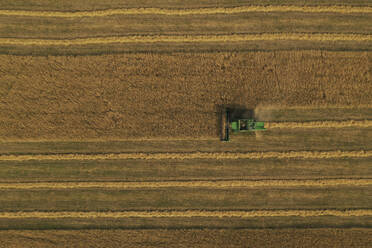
<point x="110" y="120"/>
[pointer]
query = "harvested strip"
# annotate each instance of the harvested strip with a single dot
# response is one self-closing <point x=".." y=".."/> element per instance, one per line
<point x="316" y="107"/>
<point x="199" y="11"/>
<point x="188" y="38"/>
<point x="193" y="155"/>
<point x="319" y="124"/>
<point x="188" y="213"/>
<point x="190" y="184"/>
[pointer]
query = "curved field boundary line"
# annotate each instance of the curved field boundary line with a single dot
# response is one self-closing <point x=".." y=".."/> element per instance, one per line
<point x="193" y="155"/>
<point x="188" y="38"/>
<point x="187" y="213"/>
<point x="196" y="11"/>
<point x="320" y="124"/>
<point x="190" y="184"/>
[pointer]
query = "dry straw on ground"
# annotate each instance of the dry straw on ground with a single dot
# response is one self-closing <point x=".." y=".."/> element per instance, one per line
<point x="191" y="184"/>
<point x="187" y="38"/>
<point x="199" y="11"/>
<point x="321" y="124"/>
<point x="188" y="214"/>
<point x="194" y="155"/>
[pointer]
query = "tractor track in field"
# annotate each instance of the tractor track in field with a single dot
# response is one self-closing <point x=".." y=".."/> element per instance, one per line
<point x="193" y="155"/>
<point x="320" y="124"/>
<point x="187" y="39"/>
<point x="190" y="184"/>
<point x="187" y="214"/>
<point x="194" y="11"/>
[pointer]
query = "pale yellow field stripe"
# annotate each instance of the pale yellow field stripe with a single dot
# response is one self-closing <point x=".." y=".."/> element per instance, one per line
<point x="187" y="213"/>
<point x="188" y="38"/>
<point x="196" y="11"/>
<point x="190" y="184"/>
<point x="320" y="124"/>
<point x="194" y="155"/>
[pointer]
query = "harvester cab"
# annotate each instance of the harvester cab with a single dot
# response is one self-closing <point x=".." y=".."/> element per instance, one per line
<point x="236" y="124"/>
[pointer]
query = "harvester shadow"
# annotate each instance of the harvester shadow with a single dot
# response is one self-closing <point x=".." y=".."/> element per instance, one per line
<point x="220" y="118"/>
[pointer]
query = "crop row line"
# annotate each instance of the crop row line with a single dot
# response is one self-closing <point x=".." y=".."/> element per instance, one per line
<point x="187" y="39"/>
<point x="190" y="184"/>
<point x="188" y="214"/>
<point x="194" y="155"/>
<point x="195" y="11"/>
<point x="321" y="124"/>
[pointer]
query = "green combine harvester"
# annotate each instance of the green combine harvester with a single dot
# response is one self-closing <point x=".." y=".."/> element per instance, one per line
<point x="237" y="125"/>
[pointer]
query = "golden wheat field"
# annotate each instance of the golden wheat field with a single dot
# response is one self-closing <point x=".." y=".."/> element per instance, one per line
<point x="111" y="116"/>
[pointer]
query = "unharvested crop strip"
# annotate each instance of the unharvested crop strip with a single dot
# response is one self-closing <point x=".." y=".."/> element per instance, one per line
<point x="188" y="214"/>
<point x="321" y="124"/>
<point x="196" y="11"/>
<point x="187" y="38"/>
<point x="194" y="155"/>
<point x="149" y="139"/>
<point x="190" y="184"/>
